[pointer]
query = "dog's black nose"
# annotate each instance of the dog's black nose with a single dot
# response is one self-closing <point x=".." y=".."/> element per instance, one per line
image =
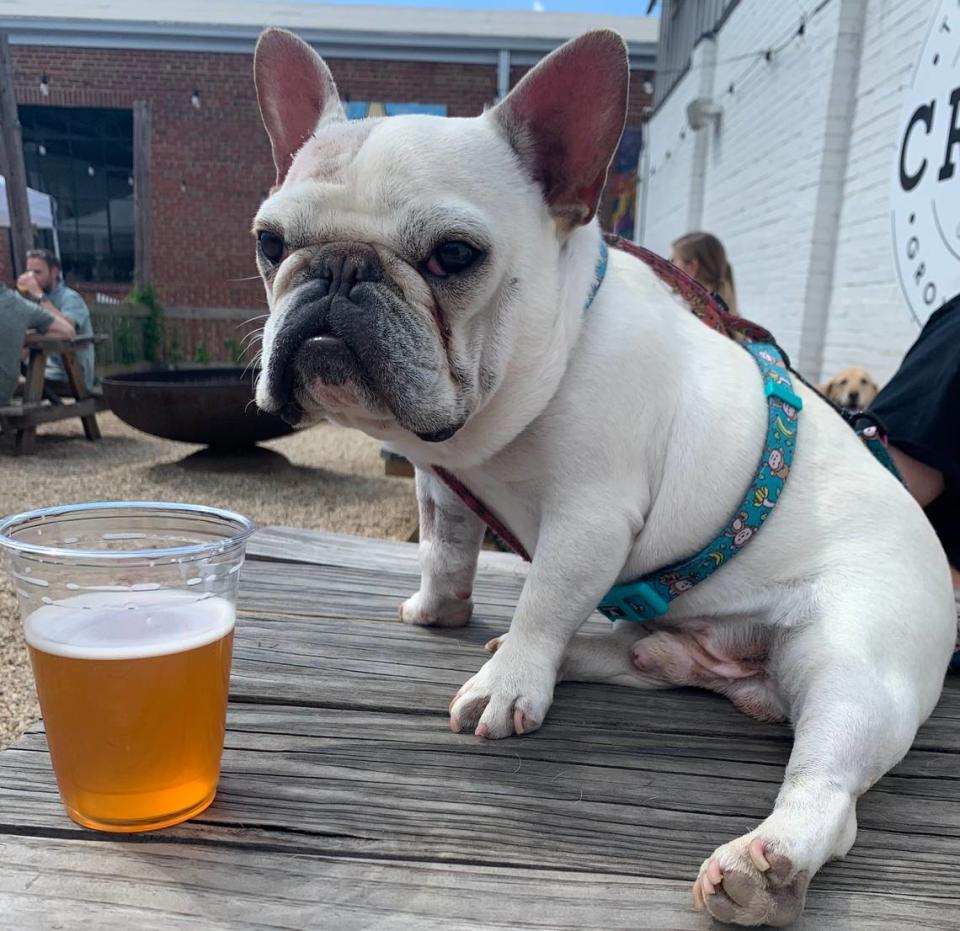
<point x="854" y="397"/>
<point x="343" y="264"/>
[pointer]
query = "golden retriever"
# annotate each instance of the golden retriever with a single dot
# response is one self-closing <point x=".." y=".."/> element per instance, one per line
<point x="851" y="388"/>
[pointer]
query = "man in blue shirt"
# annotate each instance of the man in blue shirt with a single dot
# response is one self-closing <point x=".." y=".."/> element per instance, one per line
<point x="43" y="282"/>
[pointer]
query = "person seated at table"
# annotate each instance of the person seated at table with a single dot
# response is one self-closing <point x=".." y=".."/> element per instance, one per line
<point x="17" y="317"/>
<point x="43" y="282"/>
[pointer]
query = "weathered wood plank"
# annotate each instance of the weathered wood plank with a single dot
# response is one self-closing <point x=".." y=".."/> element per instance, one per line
<point x="348" y="783"/>
<point x="52" y="344"/>
<point x="118" y="886"/>
<point x="345" y="798"/>
<point x="37" y="412"/>
<point x="347" y="650"/>
<point x="287" y="544"/>
<point x="310" y="590"/>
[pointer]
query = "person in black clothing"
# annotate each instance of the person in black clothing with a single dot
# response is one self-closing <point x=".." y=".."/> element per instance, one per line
<point x="920" y="409"/>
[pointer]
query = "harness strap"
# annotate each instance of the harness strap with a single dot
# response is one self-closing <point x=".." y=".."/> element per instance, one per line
<point x="482" y="511"/>
<point x="650" y="595"/>
<point x="871" y="431"/>
<point x="701" y="302"/>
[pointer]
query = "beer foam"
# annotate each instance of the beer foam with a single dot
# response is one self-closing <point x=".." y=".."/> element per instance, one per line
<point x="128" y="625"/>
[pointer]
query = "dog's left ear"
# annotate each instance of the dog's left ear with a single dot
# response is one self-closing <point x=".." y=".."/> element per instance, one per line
<point x="565" y="119"/>
<point x="296" y="93"/>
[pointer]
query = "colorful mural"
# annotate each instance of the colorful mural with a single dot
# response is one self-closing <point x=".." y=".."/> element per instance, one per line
<point x="621" y="194"/>
<point x="360" y="109"/>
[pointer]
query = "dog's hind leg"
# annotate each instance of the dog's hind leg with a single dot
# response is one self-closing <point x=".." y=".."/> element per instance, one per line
<point x="855" y="718"/>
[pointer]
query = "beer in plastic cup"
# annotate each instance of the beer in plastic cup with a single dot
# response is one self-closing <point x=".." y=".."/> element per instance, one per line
<point x="128" y="613"/>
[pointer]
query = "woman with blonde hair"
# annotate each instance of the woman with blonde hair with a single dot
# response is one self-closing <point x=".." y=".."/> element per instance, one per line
<point x="702" y="256"/>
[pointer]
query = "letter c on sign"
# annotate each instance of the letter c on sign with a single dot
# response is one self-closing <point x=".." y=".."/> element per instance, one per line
<point x="923" y="114"/>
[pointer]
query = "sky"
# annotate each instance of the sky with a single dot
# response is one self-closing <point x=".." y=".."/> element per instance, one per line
<point x="623" y="7"/>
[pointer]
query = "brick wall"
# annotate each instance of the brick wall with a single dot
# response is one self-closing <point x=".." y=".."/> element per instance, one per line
<point x="212" y="166"/>
<point x="797" y="178"/>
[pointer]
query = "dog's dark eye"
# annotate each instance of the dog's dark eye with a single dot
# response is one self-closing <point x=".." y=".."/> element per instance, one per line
<point x="843" y="382"/>
<point x="451" y="258"/>
<point x="863" y="381"/>
<point x="271" y="245"/>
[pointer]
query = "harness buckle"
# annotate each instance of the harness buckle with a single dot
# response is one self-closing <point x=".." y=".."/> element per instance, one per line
<point x="777" y="389"/>
<point x="633" y="601"/>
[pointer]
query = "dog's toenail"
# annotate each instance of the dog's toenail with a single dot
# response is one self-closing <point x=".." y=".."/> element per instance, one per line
<point x="757" y="855"/>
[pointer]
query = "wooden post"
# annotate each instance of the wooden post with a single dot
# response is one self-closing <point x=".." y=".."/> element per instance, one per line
<point x="14" y="172"/>
<point x="143" y="236"/>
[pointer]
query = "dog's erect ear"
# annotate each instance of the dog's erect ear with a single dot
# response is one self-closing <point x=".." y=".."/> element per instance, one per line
<point x="565" y="119"/>
<point x="296" y="93"/>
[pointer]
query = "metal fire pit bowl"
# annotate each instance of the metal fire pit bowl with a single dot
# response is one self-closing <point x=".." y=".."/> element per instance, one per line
<point x="213" y="407"/>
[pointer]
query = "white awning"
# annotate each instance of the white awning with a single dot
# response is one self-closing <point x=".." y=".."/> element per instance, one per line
<point x="41" y="207"/>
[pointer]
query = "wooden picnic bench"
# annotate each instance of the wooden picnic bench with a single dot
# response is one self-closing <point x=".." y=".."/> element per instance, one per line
<point x="345" y="802"/>
<point x="43" y="402"/>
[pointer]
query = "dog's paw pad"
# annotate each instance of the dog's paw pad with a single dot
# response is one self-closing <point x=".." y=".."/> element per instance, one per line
<point x="747" y="882"/>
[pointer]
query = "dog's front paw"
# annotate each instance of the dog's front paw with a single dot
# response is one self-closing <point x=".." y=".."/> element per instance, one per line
<point x="509" y="695"/>
<point x="436" y="612"/>
<point x="748" y="882"/>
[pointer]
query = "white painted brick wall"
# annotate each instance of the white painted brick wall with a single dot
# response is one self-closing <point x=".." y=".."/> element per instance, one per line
<point x="763" y="171"/>
<point x="670" y="160"/>
<point x="869" y="323"/>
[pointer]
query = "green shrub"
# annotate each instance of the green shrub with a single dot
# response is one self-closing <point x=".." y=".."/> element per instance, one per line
<point x="146" y="296"/>
<point x="233" y="350"/>
<point x="125" y="341"/>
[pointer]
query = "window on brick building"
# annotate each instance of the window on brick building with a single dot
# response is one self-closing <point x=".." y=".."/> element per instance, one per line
<point x="83" y="157"/>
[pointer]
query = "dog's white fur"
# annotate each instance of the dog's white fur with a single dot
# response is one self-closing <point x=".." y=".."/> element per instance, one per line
<point x="620" y="440"/>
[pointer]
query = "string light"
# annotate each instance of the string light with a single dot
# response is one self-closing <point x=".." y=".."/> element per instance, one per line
<point x="795" y="32"/>
<point x="767" y="54"/>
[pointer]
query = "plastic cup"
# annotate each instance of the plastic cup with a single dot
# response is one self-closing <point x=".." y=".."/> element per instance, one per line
<point x="128" y="611"/>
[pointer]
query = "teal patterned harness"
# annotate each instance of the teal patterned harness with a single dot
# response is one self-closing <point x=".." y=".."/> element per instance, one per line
<point x="650" y="595"/>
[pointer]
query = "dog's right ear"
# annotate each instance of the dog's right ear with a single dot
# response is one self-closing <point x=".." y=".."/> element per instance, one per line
<point x="564" y="119"/>
<point x="296" y="93"/>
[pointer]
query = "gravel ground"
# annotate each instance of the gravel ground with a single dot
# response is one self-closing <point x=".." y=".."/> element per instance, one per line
<point x="325" y="478"/>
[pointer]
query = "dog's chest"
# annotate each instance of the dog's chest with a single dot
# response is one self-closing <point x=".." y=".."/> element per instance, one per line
<point x="512" y="500"/>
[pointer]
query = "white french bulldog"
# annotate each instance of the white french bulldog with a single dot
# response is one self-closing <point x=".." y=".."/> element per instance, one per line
<point x="427" y="280"/>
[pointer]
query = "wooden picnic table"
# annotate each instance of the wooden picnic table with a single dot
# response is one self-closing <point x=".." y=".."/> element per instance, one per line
<point x="39" y="404"/>
<point x="345" y="802"/>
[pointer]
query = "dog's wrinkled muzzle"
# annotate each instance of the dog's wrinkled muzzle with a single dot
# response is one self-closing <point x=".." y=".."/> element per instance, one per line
<point x="305" y="339"/>
<point x="346" y="338"/>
